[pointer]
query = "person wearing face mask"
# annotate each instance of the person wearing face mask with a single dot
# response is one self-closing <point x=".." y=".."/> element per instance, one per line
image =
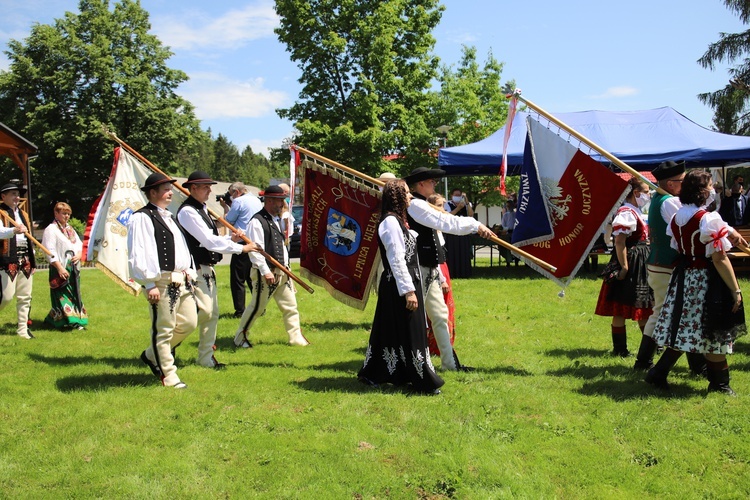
<point x="627" y="295"/>
<point x="734" y="208"/>
<point x="703" y="310"/>
<point x="458" y="248"/>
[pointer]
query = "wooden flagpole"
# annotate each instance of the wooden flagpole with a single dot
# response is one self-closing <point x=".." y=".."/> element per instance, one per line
<point x="213" y="214"/>
<point x="26" y="233"/>
<point x="380" y="183"/>
<point x="620" y="164"/>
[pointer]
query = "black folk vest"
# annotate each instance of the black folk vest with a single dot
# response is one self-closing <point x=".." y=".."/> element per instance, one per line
<point x="431" y="253"/>
<point x="9" y="253"/>
<point x="163" y="237"/>
<point x="201" y="255"/>
<point x="273" y="239"/>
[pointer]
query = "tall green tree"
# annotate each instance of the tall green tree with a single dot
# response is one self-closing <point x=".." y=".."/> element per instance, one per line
<point x="366" y="65"/>
<point x="731" y="103"/>
<point x="471" y="102"/>
<point x="95" y="68"/>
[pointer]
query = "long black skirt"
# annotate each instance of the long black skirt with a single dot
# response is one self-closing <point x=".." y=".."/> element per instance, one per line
<point x="397" y="352"/>
<point x="458" y="254"/>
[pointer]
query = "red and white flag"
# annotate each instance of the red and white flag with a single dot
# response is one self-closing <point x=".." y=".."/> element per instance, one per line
<point x="565" y="200"/>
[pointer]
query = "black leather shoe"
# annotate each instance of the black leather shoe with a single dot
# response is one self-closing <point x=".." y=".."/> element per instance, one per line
<point x="658" y="382"/>
<point x="217" y="365"/>
<point x="641" y="365"/>
<point x="154" y="369"/>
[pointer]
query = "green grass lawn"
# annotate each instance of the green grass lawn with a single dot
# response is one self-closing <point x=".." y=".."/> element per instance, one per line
<point x="547" y="414"/>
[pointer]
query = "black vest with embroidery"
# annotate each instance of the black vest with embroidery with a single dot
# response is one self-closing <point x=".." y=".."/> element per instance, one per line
<point x="429" y="249"/>
<point x="163" y="237"/>
<point x="9" y="254"/>
<point x="273" y="240"/>
<point x="201" y="255"/>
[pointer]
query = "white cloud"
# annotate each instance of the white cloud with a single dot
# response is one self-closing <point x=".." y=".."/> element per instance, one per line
<point x="262" y="146"/>
<point x="232" y="30"/>
<point x="616" y="92"/>
<point x="216" y="96"/>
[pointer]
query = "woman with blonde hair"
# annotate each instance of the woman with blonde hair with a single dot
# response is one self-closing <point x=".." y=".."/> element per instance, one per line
<point x="61" y="239"/>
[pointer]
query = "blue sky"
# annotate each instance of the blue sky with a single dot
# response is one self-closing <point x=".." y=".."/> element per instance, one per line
<point x="565" y="56"/>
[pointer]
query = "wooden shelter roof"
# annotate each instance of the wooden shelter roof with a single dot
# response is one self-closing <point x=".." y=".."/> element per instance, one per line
<point x="14" y="145"/>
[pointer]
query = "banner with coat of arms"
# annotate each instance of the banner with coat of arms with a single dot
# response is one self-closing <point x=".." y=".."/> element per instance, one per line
<point x="339" y="243"/>
<point x="105" y="241"/>
<point x="565" y="200"/>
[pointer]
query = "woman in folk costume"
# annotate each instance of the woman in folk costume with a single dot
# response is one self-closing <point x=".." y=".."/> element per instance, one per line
<point x="397" y="352"/>
<point x="625" y="294"/>
<point x="444" y="276"/>
<point x="61" y="239"/>
<point x="703" y="310"/>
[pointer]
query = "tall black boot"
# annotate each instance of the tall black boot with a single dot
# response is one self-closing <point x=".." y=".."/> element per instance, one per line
<point x="657" y="376"/>
<point x="645" y="358"/>
<point x="718" y="378"/>
<point x="620" y="342"/>
<point x="697" y="363"/>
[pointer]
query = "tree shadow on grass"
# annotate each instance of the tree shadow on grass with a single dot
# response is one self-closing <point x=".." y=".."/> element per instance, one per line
<point x="576" y="353"/>
<point x="105" y="381"/>
<point x="505" y="370"/>
<point x="627" y="390"/>
<point x="86" y="360"/>
<point x="620" y="383"/>
<point x="340" y="325"/>
<point x="351" y="385"/>
<point x="347" y="384"/>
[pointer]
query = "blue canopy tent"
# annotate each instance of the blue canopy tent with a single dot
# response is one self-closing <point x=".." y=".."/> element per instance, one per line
<point x="642" y="139"/>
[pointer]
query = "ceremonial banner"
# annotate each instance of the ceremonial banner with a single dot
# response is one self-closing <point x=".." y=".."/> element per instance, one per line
<point x="564" y="202"/>
<point x="339" y="244"/>
<point x="106" y="238"/>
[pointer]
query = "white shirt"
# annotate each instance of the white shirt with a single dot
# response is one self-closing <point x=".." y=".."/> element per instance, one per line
<point x="58" y="243"/>
<point x="192" y="222"/>
<point x="143" y="256"/>
<point x="7" y="233"/>
<point x="429" y="216"/>
<point x="710" y="226"/>
<point x="255" y="233"/>
<point x="392" y="238"/>
<point x="669" y="207"/>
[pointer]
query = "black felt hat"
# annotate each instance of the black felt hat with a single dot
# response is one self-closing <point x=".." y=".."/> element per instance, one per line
<point x="198" y="177"/>
<point x="422" y="174"/>
<point x="156" y="180"/>
<point x="274" y="192"/>
<point x="11" y="186"/>
<point x="667" y="170"/>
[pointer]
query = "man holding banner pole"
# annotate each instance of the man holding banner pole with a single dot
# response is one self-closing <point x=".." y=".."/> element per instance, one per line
<point x="268" y="279"/>
<point x="159" y="259"/>
<point x="206" y="247"/>
<point x="426" y="221"/>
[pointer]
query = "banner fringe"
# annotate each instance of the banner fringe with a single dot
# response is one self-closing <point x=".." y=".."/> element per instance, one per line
<point x="111" y="275"/>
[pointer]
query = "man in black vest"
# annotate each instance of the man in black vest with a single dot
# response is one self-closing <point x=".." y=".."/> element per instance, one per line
<point x="159" y="259"/>
<point x="17" y="262"/>
<point x="206" y="247"/>
<point x="268" y="281"/>
<point x="426" y="221"/>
